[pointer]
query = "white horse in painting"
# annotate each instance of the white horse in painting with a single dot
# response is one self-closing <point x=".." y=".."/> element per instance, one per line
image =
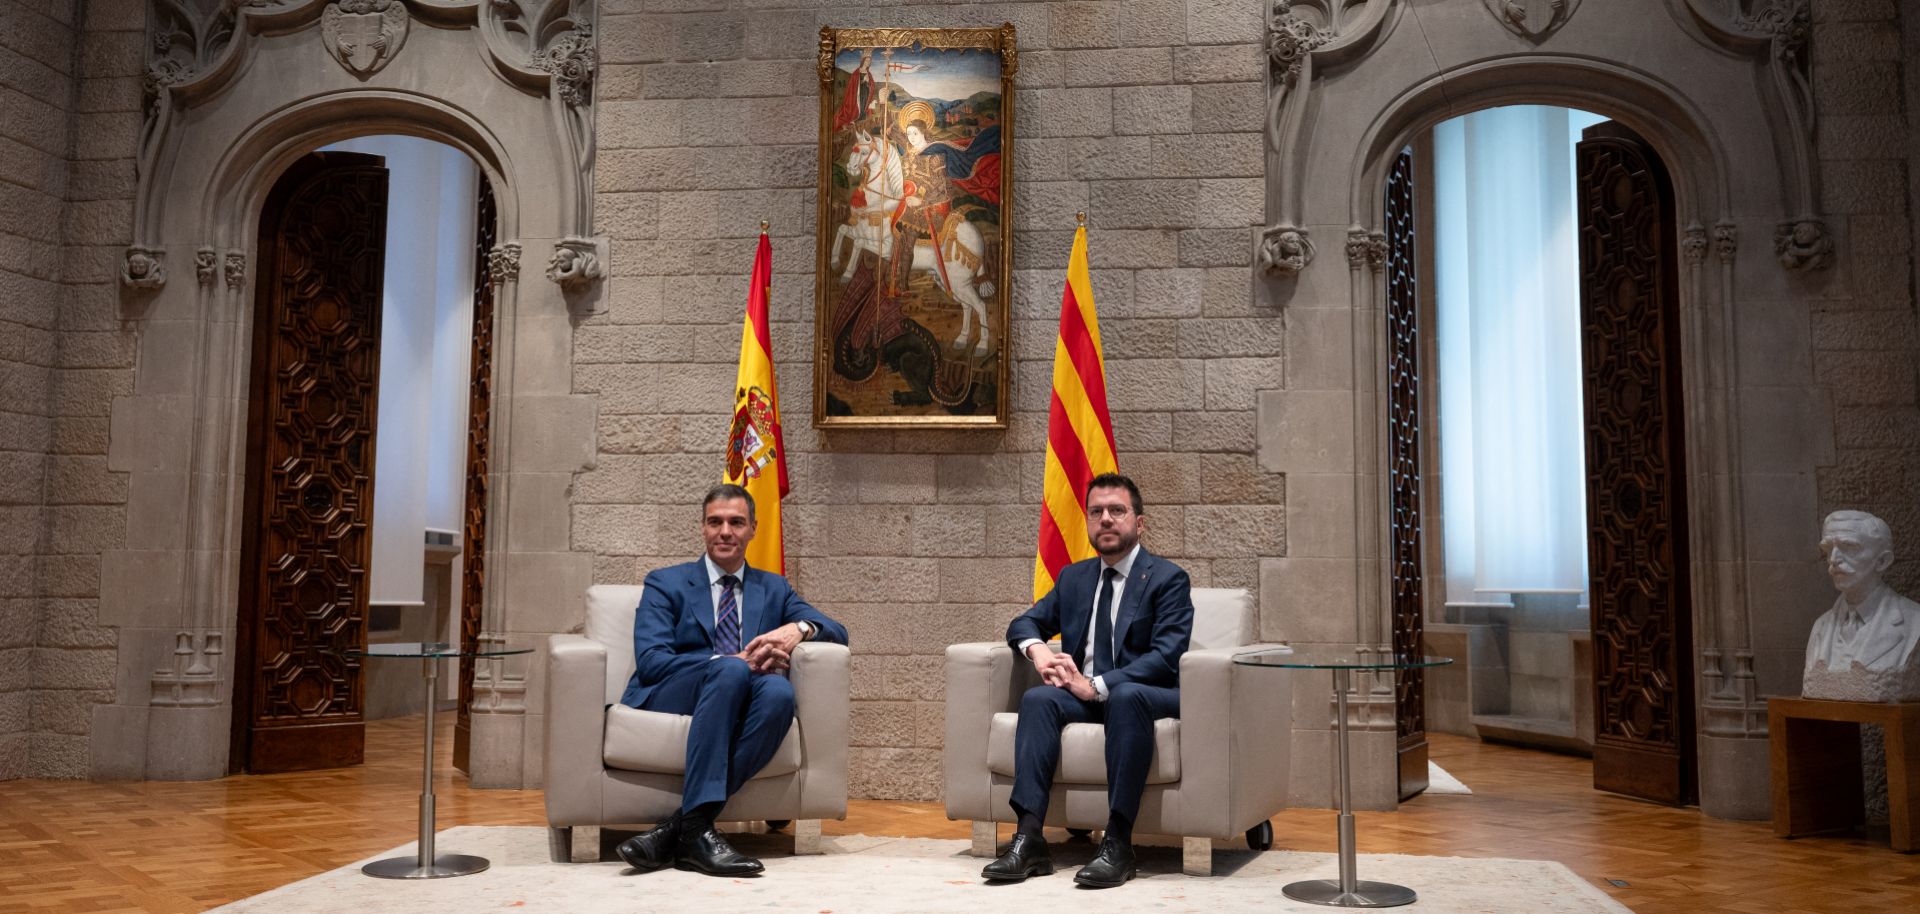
<point x="875" y="169"/>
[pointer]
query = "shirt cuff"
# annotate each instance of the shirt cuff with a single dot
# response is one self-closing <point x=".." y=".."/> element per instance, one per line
<point x="1099" y="688"/>
<point x="1027" y="644"/>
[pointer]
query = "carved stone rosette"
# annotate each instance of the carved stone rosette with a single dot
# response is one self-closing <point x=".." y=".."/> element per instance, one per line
<point x="572" y="60"/>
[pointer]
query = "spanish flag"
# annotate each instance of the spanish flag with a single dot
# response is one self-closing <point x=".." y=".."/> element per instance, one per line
<point x="1079" y="430"/>
<point x="756" y="457"/>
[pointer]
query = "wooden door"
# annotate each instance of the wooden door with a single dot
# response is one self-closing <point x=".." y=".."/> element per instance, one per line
<point x="473" y="555"/>
<point x="1636" y="497"/>
<point x="309" y="494"/>
<point x="1403" y="470"/>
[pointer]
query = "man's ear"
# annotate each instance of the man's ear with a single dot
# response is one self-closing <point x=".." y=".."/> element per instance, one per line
<point x="1884" y="562"/>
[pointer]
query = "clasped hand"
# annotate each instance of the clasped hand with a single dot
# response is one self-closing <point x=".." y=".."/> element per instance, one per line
<point x="1058" y="669"/>
<point x="773" y="651"/>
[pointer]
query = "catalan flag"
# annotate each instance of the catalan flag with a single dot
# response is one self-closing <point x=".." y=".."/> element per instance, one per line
<point x="1079" y="430"/>
<point x="756" y="457"/>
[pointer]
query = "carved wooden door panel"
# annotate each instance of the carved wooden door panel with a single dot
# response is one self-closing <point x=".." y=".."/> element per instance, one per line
<point x="310" y="436"/>
<point x="1403" y="470"/>
<point x="1636" y="499"/>
<point x="473" y="555"/>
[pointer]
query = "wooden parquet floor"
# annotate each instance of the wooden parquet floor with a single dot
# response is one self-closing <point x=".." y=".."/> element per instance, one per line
<point x="70" y="846"/>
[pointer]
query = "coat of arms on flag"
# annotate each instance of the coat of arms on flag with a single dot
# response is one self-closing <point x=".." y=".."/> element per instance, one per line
<point x="750" y="447"/>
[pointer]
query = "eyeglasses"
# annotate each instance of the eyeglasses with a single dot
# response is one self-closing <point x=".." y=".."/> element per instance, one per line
<point x="1118" y="512"/>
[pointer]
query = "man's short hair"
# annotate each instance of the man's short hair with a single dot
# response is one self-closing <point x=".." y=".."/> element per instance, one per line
<point x="1876" y="531"/>
<point x="1117" y="481"/>
<point x="724" y="492"/>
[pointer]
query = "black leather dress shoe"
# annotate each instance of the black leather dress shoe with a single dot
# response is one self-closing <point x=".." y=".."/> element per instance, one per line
<point x="707" y="852"/>
<point x="1025" y="856"/>
<point x="653" y="848"/>
<point x="1114" y="866"/>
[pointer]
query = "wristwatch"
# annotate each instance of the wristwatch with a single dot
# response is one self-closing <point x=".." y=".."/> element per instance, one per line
<point x="806" y="629"/>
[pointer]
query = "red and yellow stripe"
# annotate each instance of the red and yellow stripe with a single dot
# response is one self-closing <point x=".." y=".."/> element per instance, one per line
<point x="767" y="552"/>
<point x="1079" y="429"/>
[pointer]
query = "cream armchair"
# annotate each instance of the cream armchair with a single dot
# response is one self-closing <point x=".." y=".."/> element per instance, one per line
<point x="608" y="764"/>
<point x="1219" y="771"/>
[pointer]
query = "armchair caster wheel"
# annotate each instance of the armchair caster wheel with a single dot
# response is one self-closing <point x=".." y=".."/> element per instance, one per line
<point x="1080" y="834"/>
<point x="1260" y="837"/>
<point x="777" y="824"/>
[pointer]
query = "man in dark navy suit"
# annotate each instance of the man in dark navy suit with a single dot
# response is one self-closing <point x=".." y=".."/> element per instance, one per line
<point x="1124" y="618"/>
<point x="712" y="639"/>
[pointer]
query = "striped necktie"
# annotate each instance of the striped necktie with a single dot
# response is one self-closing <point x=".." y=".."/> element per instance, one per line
<point x="726" y="626"/>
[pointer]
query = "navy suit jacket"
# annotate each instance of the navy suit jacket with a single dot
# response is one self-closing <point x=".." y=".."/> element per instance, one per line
<point x="1150" y="632"/>
<point x="673" y="628"/>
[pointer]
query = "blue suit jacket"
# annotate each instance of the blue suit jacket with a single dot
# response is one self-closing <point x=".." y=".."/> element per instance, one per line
<point x="673" y="628"/>
<point x="1151" y="630"/>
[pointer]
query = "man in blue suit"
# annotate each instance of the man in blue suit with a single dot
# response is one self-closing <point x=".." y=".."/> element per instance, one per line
<point x="712" y="639"/>
<point x="1124" y="617"/>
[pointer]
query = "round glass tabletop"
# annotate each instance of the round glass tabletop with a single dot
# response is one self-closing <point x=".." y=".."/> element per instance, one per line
<point x="1314" y="658"/>
<point x="422" y="650"/>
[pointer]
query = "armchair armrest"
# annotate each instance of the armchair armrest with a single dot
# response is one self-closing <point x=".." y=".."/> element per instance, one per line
<point x="821" y="675"/>
<point x="983" y="679"/>
<point x="576" y="720"/>
<point x="1249" y="712"/>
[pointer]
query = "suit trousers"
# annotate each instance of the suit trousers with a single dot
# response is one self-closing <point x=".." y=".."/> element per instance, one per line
<point x="739" y="719"/>
<point x="1128" y="713"/>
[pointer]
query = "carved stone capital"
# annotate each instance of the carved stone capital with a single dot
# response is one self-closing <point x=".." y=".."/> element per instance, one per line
<point x="572" y="59"/>
<point x="1285" y="250"/>
<point x="206" y="262"/>
<point x="145" y="268"/>
<point x="503" y="262"/>
<point x="1726" y="240"/>
<point x="236" y="270"/>
<point x="1803" y="244"/>
<point x="1693" y="243"/>
<point x="575" y="264"/>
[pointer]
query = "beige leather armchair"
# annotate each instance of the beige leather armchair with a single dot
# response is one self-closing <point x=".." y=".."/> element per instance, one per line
<point x="608" y="764"/>
<point x="1219" y="771"/>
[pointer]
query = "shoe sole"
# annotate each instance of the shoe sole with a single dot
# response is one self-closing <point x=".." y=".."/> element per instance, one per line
<point x="639" y="863"/>
<point x="1081" y="879"/>
<point x="1040" y="869"/>
<point x="684" y="865"/>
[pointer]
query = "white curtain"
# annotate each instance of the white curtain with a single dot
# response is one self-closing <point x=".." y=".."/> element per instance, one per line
<point x="1511" y="434"/>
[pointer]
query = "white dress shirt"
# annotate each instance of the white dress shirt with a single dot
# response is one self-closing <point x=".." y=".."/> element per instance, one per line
<point x="1087" y="665"/>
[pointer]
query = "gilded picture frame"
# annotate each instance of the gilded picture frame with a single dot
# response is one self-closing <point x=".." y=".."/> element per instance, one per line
<point x="912" y="288"/>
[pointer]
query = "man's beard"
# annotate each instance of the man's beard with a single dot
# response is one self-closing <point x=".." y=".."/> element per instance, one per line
<point x="1122" y="547"/>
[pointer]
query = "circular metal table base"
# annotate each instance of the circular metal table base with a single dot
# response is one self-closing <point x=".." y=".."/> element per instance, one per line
<point x="1365" y="895"/>
<point x="445" y="865"/>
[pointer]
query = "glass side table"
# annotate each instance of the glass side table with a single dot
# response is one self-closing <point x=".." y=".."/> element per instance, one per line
<point x="1348" y="891"/>
<point x="423" y="864"/>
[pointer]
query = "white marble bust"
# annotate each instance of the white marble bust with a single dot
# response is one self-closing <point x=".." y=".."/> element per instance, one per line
<point x="1867" y="647"/>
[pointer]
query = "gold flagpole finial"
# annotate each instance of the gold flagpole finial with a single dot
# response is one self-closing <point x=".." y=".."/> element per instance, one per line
<point x="763" y="226"/>
<point x="1081" y="217"/>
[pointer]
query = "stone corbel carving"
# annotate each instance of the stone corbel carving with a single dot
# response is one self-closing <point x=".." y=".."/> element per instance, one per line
<point x="146" y="268"/>
<point x="1693" y="243"/>
<point x="236" y="270"/>
<point x="1726" y="240"/>
<point x="1304" y="38"/>
<point x="1534" y="20"/>
<point x="1285" y="250"/>
<point x="1803" y="245"/>
<point x="205" y="264"/>
<point x="1776" y="33"/>
<point x="576" y="263"/>
<point x="362" y="35"/>
<point x="503" y="262"/>
<point x="1366" y="248"/>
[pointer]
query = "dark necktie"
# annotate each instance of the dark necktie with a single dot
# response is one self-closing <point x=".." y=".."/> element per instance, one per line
<point x="1103" y="623"/>
<point x="726" y="626"/>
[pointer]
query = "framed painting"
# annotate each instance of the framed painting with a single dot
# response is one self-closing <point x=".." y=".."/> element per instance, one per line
<point x="911" y="291"/>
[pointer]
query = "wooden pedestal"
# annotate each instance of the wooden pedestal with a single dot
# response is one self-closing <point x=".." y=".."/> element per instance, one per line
<point x="1816" y="765"/>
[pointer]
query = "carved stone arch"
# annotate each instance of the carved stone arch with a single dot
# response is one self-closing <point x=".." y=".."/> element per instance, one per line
<point x="235" y="94"/>
<point x="1729" y="711"/>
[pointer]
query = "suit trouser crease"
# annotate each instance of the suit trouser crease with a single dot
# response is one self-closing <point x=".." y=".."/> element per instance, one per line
<point x="739" y="719"/>
<point x="1128" y="713"/>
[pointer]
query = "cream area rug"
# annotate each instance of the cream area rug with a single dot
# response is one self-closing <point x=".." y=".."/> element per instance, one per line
<point x="859" y="873"/>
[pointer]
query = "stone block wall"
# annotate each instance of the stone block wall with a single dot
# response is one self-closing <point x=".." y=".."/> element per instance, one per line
<point x="1865" y="346"/>
<point x="1144" y="113"/>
